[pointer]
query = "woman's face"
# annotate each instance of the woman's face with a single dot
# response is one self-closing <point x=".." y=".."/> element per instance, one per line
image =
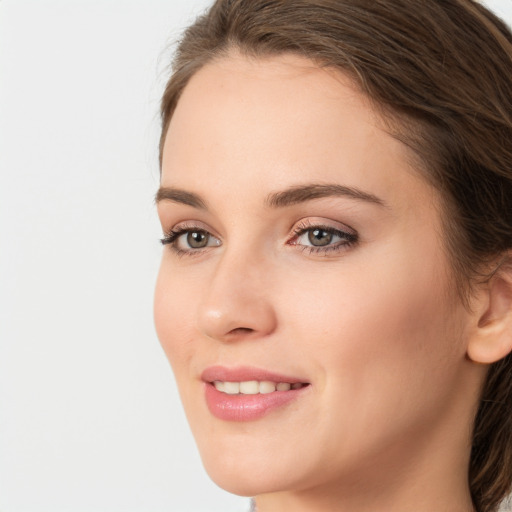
<point x="304" y="250"/>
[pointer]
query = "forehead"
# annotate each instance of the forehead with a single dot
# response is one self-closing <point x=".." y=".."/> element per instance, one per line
<point x="268" y="98"/>
<point x="276" y="122"/>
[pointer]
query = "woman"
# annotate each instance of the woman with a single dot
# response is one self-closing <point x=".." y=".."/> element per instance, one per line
<point x="335" y="294"/>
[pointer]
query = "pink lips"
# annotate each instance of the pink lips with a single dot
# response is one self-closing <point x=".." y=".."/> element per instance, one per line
<point x="246" y="407"/>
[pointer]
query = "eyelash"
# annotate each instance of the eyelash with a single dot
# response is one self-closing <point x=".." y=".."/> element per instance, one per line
<point x="174" y="234"/>
<point x="347" y="239"/>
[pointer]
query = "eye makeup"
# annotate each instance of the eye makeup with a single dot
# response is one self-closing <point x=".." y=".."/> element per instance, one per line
<point x="309" y="235"/>
<point x="322" y="238"/>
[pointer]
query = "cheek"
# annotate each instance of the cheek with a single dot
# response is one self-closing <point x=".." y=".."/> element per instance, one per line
<point x="384" y="337"/>
<point x="173" y="319"/>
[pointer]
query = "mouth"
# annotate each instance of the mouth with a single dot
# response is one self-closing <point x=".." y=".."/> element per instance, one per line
<point x="254" y="387"/>
<point x="248" y="394"/>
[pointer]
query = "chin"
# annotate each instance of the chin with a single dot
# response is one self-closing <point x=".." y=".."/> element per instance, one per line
<point x="249" y="473"/>
<point x="244" y="481"/>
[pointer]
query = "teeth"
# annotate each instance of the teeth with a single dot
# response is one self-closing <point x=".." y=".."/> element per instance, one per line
<point x="232" y="388"/>
<point x="253" y="387"/>
<point x="219" y="386"/>
<point x="267" y="387"/>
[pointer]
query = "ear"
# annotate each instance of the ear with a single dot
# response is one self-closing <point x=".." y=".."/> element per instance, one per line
<point x="491" y="339"/>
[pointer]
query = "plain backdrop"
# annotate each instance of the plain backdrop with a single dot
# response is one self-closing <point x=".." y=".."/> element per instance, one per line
<point x="90" y="420"/>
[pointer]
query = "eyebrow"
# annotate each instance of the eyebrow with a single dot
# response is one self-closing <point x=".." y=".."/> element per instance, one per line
<point x="302" y="193"/>
<point x="177" y="195"/>
<point x="293" y="195"/>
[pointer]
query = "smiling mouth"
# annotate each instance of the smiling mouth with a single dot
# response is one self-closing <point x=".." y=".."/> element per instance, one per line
<point x="254" y="387"/>
<point x="245" y="393"/>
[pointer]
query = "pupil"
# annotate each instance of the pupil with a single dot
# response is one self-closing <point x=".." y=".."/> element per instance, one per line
<point x="197" y="239"/>
<point x="320" y="237"/>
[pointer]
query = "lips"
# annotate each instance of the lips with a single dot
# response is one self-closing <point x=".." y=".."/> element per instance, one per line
<point x="248" y="394"/>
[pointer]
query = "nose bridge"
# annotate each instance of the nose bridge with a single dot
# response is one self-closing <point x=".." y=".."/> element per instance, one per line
<point x="237" y="302"/>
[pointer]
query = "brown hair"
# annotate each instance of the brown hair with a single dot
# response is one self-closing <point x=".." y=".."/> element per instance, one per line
<point x="441" y="73"/>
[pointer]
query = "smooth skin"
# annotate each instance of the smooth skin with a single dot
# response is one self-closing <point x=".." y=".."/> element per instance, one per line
<point x="370" y="317"/>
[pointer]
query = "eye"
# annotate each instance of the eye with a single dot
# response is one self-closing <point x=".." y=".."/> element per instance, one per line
<point x="190" y="239"/>
<point x="322" y="239"/>
<point x="197" y="239"/>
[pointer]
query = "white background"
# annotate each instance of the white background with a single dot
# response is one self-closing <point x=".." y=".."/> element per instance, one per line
<point x="89" y="416"/>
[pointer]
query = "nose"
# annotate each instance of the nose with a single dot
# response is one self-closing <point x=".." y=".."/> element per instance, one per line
<point x="237" y="303"/>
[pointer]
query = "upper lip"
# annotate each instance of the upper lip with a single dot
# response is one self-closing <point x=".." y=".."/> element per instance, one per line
<point x="246" y="373"/>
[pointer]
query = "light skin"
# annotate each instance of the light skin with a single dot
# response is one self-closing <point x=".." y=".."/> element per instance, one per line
<point x="258" y="154"/>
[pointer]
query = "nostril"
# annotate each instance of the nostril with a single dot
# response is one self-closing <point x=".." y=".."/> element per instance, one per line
<point x="241" y="330"/>
<point x="226" y="316"/>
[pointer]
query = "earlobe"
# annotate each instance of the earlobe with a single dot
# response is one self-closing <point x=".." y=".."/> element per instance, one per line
<point x="491" y="339"/>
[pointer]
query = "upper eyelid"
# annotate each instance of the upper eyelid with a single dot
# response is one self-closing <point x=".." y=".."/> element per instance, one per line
<point x="344" y="235"/>
<point x="299" y="226"/>
<point x="319" y="222"/>
<point x="190" y="225"/>
<point x="329" y="229"/>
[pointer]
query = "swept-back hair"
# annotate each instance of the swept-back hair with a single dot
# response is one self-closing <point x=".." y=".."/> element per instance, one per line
<point x="440" y="73"/>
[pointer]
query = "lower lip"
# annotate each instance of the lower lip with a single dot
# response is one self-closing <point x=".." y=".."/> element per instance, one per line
<point x="247" y="407"/>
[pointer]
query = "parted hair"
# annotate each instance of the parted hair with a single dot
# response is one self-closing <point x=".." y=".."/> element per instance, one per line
<point x="440" y="73"/>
